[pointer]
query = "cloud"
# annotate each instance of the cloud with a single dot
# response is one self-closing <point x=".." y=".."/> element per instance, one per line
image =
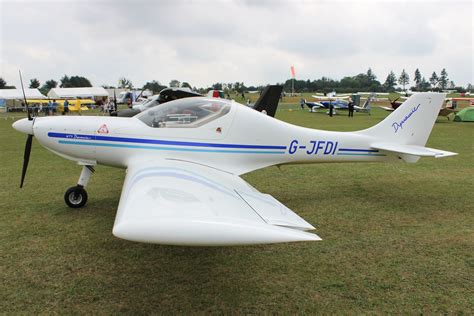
<point x="203" y="42"/>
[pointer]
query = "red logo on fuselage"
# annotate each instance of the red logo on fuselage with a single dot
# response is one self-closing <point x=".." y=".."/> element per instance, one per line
<point x="103" y="129"/>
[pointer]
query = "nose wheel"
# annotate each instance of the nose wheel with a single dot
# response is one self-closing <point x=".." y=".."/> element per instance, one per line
<point x="75" y="197"/>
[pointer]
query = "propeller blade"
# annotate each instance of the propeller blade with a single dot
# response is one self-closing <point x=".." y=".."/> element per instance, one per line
<point x="24" y="97"/>
<point x="26" y="158"/>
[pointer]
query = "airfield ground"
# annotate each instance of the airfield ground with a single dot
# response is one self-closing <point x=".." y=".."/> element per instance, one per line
<point x="397" y="238"/>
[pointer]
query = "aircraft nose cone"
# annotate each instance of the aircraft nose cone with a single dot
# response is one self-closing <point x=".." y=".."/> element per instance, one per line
<point x="24" y="126"/>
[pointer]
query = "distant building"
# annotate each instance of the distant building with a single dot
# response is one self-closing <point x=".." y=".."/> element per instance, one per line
<point x="14" y="94"/>
<point x="95" y="93"/>
<point x="13" y="98"/>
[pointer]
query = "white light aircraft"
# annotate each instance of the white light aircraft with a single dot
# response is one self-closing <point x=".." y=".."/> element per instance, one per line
<point x="184" y="159"/>
<point x="338" y="101"/>
<point x="332" y="96"/>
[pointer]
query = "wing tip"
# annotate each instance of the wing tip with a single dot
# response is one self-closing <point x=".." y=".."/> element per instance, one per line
<point x="445" y="154"/>
<point x="218" y="234"/>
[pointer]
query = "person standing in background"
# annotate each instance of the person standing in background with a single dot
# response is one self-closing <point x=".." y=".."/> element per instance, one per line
<point x="49" y="110"/>
<point x="54" y="107"/>
<point x="66" y="107"/>
<point x="351" y="108"/>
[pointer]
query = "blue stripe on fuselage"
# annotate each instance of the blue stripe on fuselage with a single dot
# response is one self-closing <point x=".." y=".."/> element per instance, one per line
<point x="160" y="142"/>
<point x="359" y="150"/>
<point x="360" y="154"/>
<point x="73" y="142"/>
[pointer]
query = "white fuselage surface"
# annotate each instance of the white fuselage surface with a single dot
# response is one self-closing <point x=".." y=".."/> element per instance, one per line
<point x="241" y="141"/>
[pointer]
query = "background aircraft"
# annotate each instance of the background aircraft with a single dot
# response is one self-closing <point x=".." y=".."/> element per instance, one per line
<point x="448" y="108"/>
<point x="340" y="104"/>
<point x="331" y="96"/>
<point x="451" y="106"/>
<point x="268" y="100"/>
<point x="74" y="104"/>
<point x="340" y="101"/>
<point x="364" y="108"/>
<point x="184" y="159"/>
<point x="394" y="104"/>
<point x="374" y="96"/>
<point x="165" y="95"/>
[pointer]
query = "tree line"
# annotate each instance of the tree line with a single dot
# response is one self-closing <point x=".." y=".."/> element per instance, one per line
<point x="368" y="82"/>
<point x="361" y="82"/>
<point x="64" y="82"/>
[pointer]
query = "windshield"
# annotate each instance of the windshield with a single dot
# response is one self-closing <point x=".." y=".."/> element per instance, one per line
<point x="189" y="112"/>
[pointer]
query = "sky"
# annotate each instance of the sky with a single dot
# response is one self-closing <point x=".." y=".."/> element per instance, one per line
<point x="256" y="42"/>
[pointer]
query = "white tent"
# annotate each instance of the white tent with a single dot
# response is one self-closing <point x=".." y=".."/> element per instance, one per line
<point x="117" y="91"/>
<point x="91" y="92"/>
<point x="14" y="94"/>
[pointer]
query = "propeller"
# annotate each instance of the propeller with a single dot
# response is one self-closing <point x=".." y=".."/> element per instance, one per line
<point x="26" y="158"/>
<point x="24" y="97"/>
<point x="29" y="139"/>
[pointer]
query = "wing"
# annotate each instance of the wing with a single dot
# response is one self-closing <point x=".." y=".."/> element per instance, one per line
<point x="182" y="203"/>
<point x="386" y="108"/>
<point x="323" y="98"/>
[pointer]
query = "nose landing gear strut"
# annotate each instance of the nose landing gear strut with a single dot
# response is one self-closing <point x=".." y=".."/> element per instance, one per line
<point x="76" y="197"/>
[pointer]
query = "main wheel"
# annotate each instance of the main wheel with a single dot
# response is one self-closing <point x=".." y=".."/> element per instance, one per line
<point x="75" y="197"/>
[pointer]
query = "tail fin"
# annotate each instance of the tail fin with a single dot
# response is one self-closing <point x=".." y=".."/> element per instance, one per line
<point x="366" y="104"/>
<point x="412" y="122"/>
<point x="365" y="107"/>
<point x="406" y="130"/>
<point x="269" y="99"/>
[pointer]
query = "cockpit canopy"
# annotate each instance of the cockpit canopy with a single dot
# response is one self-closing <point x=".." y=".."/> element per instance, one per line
<point x="185" y="113"/>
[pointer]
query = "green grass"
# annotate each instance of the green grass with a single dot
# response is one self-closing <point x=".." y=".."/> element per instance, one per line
<point x="397" y="238"/>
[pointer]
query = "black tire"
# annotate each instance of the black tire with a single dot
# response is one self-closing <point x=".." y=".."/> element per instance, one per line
<point x="75" y="197"/>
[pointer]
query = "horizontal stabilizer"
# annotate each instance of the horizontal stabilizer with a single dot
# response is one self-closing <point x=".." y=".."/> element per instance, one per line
<point x="413" y="150"/>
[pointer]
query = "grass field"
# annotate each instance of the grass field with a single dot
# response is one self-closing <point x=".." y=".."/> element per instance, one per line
<point x="397" y="238"/>
<point x="291" y="100"/>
